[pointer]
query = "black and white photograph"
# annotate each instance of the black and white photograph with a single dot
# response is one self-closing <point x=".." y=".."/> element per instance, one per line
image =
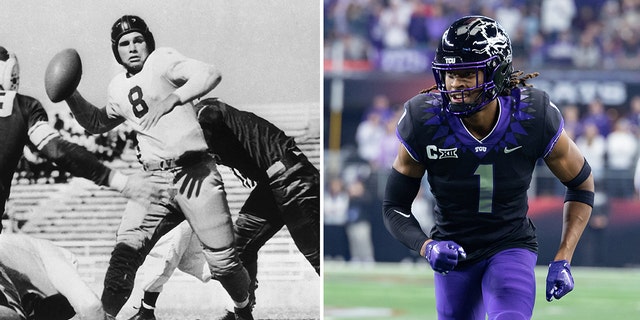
<point x="307" y="159"/>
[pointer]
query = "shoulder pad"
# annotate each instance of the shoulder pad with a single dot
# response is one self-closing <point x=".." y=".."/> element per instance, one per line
<point x="433" y="99"/>
<point x="529" y="94"/>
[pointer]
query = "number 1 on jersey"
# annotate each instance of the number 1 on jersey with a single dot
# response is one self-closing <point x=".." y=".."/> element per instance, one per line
<point x="485" y="201"/>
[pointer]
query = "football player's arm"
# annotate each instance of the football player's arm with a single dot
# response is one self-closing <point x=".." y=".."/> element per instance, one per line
<point x="193" y="78"/>
<point x="80" y="162"/>
<point x="74" y="295"/>
<point x="402" y="187"/>
<point x="569" y="165"/>
<point x="76" y="160"/>
<point x="93" y="119"/>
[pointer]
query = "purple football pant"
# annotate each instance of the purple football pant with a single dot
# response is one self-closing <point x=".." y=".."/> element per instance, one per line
<point x="502" y="287"/>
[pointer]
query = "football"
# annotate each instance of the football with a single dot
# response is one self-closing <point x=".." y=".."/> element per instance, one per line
<point x="63" y="74"/>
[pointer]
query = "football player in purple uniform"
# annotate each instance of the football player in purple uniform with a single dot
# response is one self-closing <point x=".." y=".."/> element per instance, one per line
<point x="23" y="120"/>
<point x="479" y="141"/>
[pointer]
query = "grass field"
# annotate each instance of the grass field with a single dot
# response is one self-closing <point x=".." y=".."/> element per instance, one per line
<point x="400" y="291"/>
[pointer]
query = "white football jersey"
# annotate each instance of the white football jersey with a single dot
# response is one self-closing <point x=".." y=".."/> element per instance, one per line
<point x="131" y="97"/>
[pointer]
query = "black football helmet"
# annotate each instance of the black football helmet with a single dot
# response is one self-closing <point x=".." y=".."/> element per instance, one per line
<point x="474" y="42"/>
<point x="126" y="24"/>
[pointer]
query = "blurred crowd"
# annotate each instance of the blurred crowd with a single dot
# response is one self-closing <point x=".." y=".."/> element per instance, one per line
<point x="33" y="168"/>
<point x="352" y="198"/>
<point x="609" y="140"/>
<point x="588" y="34"/>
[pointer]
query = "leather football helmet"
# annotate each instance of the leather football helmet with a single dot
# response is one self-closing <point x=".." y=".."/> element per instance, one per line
<point x="474" y="43"/>
<point x="126" y="24"/>
<point x="9" y="71"/>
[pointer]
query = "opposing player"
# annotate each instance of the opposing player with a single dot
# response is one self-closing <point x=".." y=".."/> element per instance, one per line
<point x="154" y="95"/>
<point x="287" y="193"/>
<point x="265" y="154"/>
<point x="40" y="281"/>
<point x="23" y="120"/>
<point x="479" y="141"/>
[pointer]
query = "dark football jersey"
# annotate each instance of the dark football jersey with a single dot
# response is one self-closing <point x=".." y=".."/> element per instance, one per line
<point x="21" y="117"/>
<point x="243" y="140"/>
<point x="23" y="120"/>
<point x="480" y="186"/>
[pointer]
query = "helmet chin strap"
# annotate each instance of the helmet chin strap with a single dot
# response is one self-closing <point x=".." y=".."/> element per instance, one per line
<point x="465" y="110"/>
<point x="467" y="107"/>
<point x="131" y="71"/>
<point x="462" y="110"/>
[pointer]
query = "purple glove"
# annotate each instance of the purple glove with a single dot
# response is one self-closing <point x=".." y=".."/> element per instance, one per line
<point x="443" y="255"/>
<point x="559" y="279"/>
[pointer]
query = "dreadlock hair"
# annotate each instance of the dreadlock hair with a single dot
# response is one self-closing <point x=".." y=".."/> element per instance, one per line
<point x="427" y="90"/>
<point x="515" y="80"/>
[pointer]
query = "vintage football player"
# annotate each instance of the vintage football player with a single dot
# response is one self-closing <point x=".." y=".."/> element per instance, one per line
<point x="40" y="281"/>
<point x="155" y="96"/>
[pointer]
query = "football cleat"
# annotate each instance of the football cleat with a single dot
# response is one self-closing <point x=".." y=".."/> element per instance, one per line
<point x="228" y="316"/>
<point x="244" y="313"/>
<point x="144" y="314"/>
<point x="252" y="302"/>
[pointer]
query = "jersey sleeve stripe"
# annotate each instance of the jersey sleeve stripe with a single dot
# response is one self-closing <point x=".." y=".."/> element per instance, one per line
<point x="406" y="146"/>
<point x="553" y="141"/>
<point x="41" y="133"/>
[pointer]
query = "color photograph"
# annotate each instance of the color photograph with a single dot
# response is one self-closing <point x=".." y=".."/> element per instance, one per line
<point x="481" y="159"/>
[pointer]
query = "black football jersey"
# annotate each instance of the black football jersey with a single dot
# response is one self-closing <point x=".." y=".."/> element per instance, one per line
<point x="480" y="186"/>
<point x="21" y="118"/>
<point x="243" y="140"/>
